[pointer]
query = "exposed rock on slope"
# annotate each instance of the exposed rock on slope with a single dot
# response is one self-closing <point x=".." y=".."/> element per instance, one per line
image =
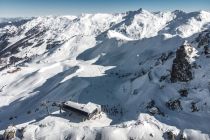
<point x="181" y="68"/>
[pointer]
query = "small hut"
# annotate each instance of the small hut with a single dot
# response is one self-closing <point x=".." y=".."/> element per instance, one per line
<point x="87" y="110"/>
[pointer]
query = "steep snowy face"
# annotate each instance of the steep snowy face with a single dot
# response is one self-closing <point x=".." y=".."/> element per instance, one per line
<point x="44" y="35"/>
<point x="143" y="24"/>
<point x="193" y="23"/>
<point x="69" y="26"/>
<point x="148" y="70"/>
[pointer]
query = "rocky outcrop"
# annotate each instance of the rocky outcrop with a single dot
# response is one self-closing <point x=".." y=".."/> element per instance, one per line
<point x="194" y="108"/>
<point x="54" y="44"/>
<point x="181" y="68"/>
<point x="9" y="133"/>
<point x="174" y="104"/>
<point x="203" y="41"/>
<point x="170" y="135"/>
<point x="153" y="109"/>
<point x="183" y="92"/>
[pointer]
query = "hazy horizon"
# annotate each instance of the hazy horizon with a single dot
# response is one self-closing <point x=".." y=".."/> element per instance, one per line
<point x="28" y="8"/>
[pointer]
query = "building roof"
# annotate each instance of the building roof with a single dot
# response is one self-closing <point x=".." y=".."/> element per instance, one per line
<point x="88" y="108"/>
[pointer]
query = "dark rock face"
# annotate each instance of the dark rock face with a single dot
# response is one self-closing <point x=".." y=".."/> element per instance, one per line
<point x="33" y="31"/>
<point x="4" y="41"/>
<point x="153" y="109"/>
<point x="206" y="50"/>
<point x="174" y="104"/>
<point x="170" y="135"/>
<point x="203" y="41"/>
<point x="14" y="59"/>
<point x="13" y="49"/>
<point x="3" y="44"/>
<point x="54" y="44"/>
<point x="194" y="108"/>
<point x="183" y="92"/>
<point x="181" y="68"/>
<point x="39" y="43"/>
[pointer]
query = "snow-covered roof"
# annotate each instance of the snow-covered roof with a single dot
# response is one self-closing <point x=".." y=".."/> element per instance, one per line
<point x="89" y="107"/>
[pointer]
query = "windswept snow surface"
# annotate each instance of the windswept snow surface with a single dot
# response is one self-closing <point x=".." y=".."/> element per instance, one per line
<point x="120" y="61"/>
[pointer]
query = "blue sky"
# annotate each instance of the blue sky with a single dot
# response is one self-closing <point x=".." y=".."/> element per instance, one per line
<point x="14" y="8"/>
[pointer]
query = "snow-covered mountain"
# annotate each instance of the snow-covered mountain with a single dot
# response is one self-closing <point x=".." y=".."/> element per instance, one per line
<point x="150" y="72"/>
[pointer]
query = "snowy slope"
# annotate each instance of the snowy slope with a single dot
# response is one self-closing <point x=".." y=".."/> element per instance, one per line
<point x="148" y="70"/>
